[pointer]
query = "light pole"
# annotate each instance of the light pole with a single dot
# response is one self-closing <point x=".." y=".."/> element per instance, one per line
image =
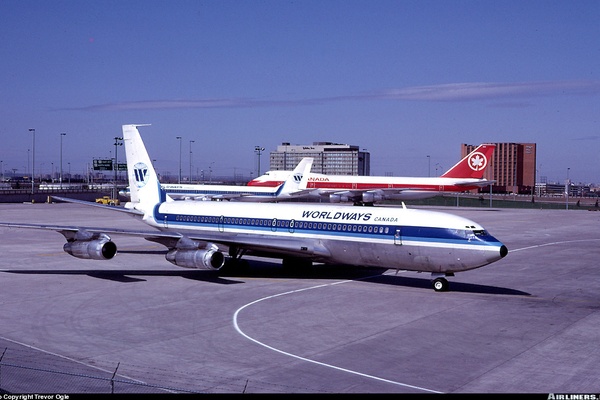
<point x="33" y="162"/>
<point x="61" y="169"/>
<point x="259" y="151"/>
<point x="567" y="188"/>
<point x="191" y="141"/>
<point x="179" y="138"/>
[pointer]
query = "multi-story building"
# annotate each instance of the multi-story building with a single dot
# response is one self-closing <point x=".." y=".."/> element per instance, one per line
<point x="512" y="167"/>
<point x="329" y="158"/>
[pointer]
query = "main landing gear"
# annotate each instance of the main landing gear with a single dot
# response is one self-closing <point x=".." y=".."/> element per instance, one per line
<point x="439" y="282"/>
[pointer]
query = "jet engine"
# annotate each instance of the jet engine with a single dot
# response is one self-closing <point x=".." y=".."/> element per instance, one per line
<point x="210" y="258"/>
<point x="338" y="198"/>
<point x="98" y="248"/>
<point x="370" y="197"/>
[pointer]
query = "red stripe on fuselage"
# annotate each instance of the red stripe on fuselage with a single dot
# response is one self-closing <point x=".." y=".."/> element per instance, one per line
<point x="370" y="186"/>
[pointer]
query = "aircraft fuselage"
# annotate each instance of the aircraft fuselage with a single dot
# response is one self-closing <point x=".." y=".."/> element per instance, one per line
<point x="410" y="239"/>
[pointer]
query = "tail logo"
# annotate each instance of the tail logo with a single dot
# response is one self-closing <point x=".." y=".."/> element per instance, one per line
<point x="477" y="161"/>
<point x="141" y="174"/>
<point x="297" y="178"/>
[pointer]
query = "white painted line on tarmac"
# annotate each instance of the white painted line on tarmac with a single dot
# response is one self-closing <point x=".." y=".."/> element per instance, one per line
<point x="239" y="330"/>
<point x="553" y="243"/>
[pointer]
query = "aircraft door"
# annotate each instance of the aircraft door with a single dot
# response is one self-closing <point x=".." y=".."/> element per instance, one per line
<point x="165" y="222"/>
<point x="221" y="223"/>
<point x="292" y="226"/>
<point x="398" y="237"/>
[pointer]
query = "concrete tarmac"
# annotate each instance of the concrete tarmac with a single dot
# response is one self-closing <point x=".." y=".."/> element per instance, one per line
<point x="528" y="323"/>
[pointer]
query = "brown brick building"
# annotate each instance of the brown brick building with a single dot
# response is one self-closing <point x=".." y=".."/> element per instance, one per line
<point x="512" y="166"/>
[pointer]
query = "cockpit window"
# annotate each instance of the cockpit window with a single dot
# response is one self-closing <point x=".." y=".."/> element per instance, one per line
<point x="479" y="232"/>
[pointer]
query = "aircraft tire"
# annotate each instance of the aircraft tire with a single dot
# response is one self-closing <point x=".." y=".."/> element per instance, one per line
<point x="440" y="284"/>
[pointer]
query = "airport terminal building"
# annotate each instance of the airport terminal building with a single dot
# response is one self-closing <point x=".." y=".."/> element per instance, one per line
<point x="329" y="158"/>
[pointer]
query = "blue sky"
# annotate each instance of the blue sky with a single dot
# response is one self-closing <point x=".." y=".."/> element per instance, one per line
<point x="402" y="79"/>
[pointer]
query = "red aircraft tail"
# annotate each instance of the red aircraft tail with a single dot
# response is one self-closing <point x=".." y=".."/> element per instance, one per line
<point x="474" y="163"/>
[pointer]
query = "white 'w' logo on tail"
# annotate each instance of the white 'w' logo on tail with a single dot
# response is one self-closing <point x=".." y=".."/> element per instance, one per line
<point x="140" y="170"/>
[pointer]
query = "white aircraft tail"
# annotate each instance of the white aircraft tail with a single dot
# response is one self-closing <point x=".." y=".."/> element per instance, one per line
<point x="143" y="182"/>
<point x="297" y="180"/>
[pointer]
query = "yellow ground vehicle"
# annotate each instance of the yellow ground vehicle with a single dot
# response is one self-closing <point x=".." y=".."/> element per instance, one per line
<point x="107" y="200"/>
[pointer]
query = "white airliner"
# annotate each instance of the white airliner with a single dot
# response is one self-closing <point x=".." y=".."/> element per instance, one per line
<point x="197" y="234"/>
<point x="467" y="174"/>
<point x="288" y="190"/>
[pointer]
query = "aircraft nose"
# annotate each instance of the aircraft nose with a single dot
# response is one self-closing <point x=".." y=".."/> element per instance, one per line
<point x="503" y="251"/>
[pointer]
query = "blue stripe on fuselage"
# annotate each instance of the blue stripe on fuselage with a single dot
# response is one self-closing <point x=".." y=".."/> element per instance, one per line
<point x="219" y="192"/>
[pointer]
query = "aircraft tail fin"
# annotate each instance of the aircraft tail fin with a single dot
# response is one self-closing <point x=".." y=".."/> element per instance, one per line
<point x="297" y="180"/>
<point x="143" y="182"/>
<point x="473" y="165"/>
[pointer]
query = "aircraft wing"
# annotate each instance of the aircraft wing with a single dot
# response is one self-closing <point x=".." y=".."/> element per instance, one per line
<point x="255" y="244"/>
<point x="404" y="193"/>
<point x="169" y="239"/>
<point x="252" y="243"/>
<point x="370" y="195"/>
<point x="105" y="206"/>
<point x="478" y="183"/>
<point x="304" y="193"/>
<point x="220" y="196"/>
<point x="70" y="231"/>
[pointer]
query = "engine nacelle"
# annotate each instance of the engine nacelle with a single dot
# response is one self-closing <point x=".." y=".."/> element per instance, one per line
<point x="196" y="258"/>
<point x="369" y="197"/>
<point x="98" y="249"/>
<point x="202" y="198"/>
<point x="338" y="198"/>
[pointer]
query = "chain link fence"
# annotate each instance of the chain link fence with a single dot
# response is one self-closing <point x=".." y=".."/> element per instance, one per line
<point x="28" y="370"/>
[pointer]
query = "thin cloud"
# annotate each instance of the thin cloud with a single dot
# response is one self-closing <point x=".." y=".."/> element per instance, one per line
<point x="195" y="104"/>
<point x="452" y="92"/>
<point x="169" y="104"/>
<point x="486" y="90"/>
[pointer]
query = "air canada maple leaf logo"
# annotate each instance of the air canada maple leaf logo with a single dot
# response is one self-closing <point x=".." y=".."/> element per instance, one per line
<point x="477" y="161"/>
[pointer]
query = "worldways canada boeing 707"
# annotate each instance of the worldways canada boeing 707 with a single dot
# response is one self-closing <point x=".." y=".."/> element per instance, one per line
<point x="203" y="235"/>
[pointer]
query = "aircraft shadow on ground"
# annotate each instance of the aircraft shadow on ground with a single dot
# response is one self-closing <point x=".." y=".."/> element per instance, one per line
<point x="133" y="275"/>
<point x="455" y="286"/>
<point x="260" y="269"/>
<point x="234" y="274"/>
